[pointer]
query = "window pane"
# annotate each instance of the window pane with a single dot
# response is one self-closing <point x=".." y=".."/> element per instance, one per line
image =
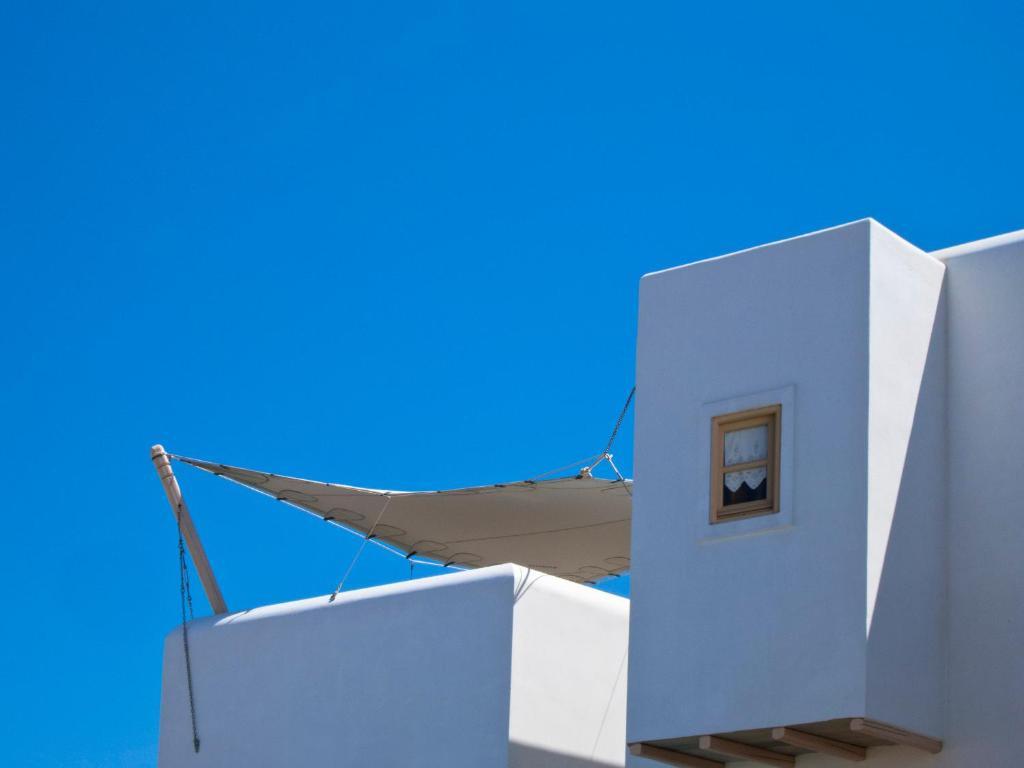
<point x="748" y="485"/>
<point x="743" y="445"/>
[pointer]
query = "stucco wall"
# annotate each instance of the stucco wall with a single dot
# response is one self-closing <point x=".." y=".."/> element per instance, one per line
<point x="756" y="622"/>
<point x="907" y="471"/>
<point x="970" y="410"/>
<point x="986" y="521"/>
<point x="495" y="667"/>
<point x="834" y="607"/>
<point x="391" y="676"/>
<point x="568" y="675"/>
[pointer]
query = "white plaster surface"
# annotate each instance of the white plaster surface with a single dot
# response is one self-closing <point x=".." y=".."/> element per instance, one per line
<point x="495" y="667"/>
<point x="945" y="419"/>
<point x="986" y="508"/>
<point x="569" y="648"/>
<point x="907" y="471"/>
<point x="766" y="627"/>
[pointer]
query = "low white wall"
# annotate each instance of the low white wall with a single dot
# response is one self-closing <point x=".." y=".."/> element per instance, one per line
<point x="412" y="674"/>
<point x="569" y="674"/>
<point x="495" y="667"/>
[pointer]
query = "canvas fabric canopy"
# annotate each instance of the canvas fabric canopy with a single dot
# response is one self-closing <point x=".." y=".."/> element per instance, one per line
<point x="576" y="528"/>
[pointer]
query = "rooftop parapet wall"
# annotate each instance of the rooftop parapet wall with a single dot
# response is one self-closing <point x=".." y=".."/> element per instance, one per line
<point x="985" y="691"/>
<point x="791" y="617"/>
<point x="502" y="666"/>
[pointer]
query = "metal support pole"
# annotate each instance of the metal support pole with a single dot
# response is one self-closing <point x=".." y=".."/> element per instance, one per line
<point x="188" y="529"/>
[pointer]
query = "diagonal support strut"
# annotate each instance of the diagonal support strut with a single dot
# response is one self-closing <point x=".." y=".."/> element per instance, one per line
<point x="188" y="529"/>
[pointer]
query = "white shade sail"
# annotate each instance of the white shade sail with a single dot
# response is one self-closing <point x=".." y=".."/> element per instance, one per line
<point x="576" y="528"/>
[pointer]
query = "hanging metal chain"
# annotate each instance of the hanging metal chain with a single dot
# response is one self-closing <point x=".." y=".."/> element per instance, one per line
<point x="186" y="601"/>
<point x="606" y="455"/>
<point x="622" y="415"/>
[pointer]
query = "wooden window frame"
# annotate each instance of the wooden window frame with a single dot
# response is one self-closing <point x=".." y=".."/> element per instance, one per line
<point x="729" y="422"/>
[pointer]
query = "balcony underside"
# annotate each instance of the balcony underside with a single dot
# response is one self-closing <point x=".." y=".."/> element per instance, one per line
<point x="846" y="738"/>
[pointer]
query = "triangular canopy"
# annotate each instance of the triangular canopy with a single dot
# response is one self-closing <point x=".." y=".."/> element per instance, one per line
<point x="573" y="527"/>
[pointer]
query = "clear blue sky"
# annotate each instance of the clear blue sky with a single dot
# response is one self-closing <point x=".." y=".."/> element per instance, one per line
<point x="396" y="246"/>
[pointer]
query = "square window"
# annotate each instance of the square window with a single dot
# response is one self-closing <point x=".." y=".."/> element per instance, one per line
<point x="745" y="464"/>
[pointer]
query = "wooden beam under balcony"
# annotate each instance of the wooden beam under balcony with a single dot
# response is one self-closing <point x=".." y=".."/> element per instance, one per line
<point x="745" y="751"/>
<point x="670" y="757"/>
<point x="820" y="744"/>
<point x="894" y="735"/>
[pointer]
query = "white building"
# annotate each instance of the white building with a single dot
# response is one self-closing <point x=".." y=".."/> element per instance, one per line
<point x="867" y="587"/>
<point x="827" y="547"/>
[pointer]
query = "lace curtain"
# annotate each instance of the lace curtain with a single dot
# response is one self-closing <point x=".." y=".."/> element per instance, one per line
<point x="742" y="446"/>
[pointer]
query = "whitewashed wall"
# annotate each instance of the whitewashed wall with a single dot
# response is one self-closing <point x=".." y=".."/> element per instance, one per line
<point x="907" y="494"/>
<point x="569" y="648"/>
<point x="495" y="667"/>
<point x="736" y="631"/>
<point x="983" y="694"/>
<point x="804" y="615"/>
<point x="986" y="523"/>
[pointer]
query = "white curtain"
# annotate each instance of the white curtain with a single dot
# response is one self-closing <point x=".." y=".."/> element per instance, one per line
<point x="752" y="477"/>
<point x="741" y="446"/>
<point x="745" y="445"/>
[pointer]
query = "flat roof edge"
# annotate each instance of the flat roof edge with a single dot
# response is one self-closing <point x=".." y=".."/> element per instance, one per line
<point x="985" y="244"/>
<point x="864" y="221"/>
